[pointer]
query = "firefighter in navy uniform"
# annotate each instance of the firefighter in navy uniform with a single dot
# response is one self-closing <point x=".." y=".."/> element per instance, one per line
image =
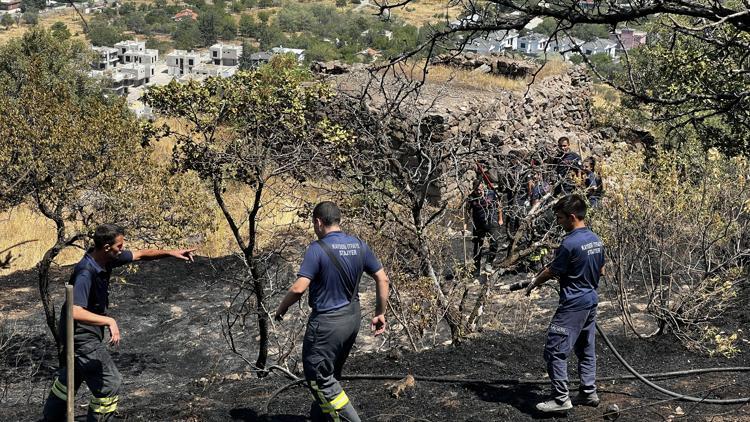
<point x="332" y="269"/>
<point x="93" y="364"/>
<point x="578" y="264"/>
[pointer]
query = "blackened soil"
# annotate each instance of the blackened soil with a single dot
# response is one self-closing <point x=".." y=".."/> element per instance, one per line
<point x="177" y="367"/>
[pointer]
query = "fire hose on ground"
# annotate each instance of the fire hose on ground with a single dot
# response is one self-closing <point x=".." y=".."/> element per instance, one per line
<point x="510" y="381"/>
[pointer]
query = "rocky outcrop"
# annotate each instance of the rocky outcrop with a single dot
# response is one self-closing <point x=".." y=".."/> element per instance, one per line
<point x="528" y="121"/>
<point x="493" y="63"/>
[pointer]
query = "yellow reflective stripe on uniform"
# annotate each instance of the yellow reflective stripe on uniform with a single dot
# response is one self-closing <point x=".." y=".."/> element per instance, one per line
<point x="104" y="404"/>
<point x="321" y="399"/>
<point x="340" y="401"/>
<point x="60" y="390"/>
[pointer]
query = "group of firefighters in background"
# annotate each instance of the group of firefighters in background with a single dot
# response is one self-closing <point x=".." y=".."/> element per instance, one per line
<point x="331" y="271"/>
<point x="522" y="183"/>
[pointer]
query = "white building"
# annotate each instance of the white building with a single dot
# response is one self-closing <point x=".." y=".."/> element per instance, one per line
<point x="299" y="53"/>
<point x="533" y="44"/>
<point x="181" y="62"/>
<point x="129" y="45"/>
<point x="106" y="58"/>
<point x="565" y="46"/>
<point x="225" y="54"/>
<point x="135" y="74"/>
<point x="494" y="42"/>
<point x="600" y="45"/>
<point x="133" y="51"/>
<point x="210" y="69"/>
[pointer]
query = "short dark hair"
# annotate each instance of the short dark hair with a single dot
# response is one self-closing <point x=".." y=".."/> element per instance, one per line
<point x="328" y="213"/>
<point x="563" y="138"/>
<point x="571" y="204"/>
<point x="106" y="234"/>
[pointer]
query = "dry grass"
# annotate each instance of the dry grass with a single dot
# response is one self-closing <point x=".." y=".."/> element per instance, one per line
<point x="67" y="16"/>
<point x="421" y="12"/>
<point x="468" y="79"/>
<point x="487" y="81"/>
<point x="605" y="95"/>
<point x="24" y="225"/>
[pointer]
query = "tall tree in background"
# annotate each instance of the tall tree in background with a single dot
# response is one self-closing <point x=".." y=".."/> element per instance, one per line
<point x="207" y="26"/>
<point x="253" y="131"/>
<point x="67" y="149"/>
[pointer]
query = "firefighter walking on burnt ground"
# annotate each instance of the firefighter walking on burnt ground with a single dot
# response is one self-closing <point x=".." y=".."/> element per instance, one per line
<point x="578" y="265"/>
<point x="332" y="269"/>
<point x="486" y="218"/>
<point x="93" y="364"/>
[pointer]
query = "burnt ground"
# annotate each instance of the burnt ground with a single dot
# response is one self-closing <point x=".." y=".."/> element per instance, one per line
<point x="176" y="365"/>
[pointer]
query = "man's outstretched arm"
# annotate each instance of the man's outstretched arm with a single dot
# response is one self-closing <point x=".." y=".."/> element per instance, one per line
<point x="292" y="296"/>
<point x="152" y="254"/>
<point x="381" y="301"/>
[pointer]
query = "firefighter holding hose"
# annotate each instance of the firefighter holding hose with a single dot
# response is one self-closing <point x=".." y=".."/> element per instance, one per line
<point x="578" y="264"/>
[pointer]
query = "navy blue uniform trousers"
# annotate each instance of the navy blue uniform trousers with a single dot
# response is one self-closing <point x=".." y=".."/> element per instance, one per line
<point x="571" y="331"/>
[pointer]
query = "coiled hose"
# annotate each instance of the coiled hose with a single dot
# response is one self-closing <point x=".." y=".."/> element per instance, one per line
<point x="662" y="389"/>
<point x="523" y="284"/>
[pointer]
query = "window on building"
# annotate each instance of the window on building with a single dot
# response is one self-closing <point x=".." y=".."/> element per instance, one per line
<point x="523" y="45"/>
<point x="190" y="62"/>
<point x="216" y="54"/>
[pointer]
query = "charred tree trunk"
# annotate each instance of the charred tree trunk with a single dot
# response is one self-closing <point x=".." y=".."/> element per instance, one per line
<point x="44" y="268"/>
<point x="44" y="278"/>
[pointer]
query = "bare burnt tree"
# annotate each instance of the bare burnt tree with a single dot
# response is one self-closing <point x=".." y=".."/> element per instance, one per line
<point x="693" y="72"/>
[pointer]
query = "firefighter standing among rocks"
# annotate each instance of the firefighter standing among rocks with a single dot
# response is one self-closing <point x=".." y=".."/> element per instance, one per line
<point x="332" y="268"/>
<point x="93" y="364"/>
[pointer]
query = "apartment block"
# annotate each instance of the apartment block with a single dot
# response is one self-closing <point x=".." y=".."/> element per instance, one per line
<point x="182" y="62"/>
<point x="225" y="54"/>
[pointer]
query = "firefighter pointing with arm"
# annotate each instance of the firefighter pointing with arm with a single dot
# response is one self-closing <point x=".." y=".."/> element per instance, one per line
<point x="331" y="269"/>
<point x="93" y="364"/>
<point x="578" y="264"/>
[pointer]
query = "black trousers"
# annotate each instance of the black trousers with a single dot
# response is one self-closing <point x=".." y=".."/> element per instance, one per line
<point x="93" y="365"/>
<point x="481" y="231"/>
<point x="329" y="338"/>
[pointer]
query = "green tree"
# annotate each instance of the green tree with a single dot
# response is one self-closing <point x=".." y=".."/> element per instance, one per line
<point x="102" y="33"/>
<point x="60" y="31"/>
<point x="186" y="35"/>
<point x="248" y="26"/>
<point x="320" y="51"/>
<point x="247" y="50"/>
<point x="6" y="21"/>
<point x="691" y="80"/>
<point x="227" y="28"/>
<point x="136" y="23"/>
<point x="31" y="16"/>
<point x="590" y="32"/>
<point x="253" y="129"/>
<point x="37" y="5"/>
<point x="208" y="28"/>
<point x="69" y="150"/>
